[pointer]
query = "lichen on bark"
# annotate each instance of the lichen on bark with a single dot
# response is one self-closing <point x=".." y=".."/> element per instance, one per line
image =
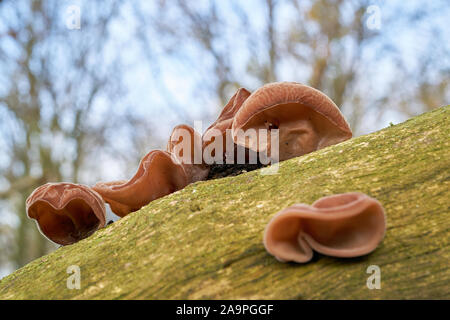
<point x="205" y="241"/>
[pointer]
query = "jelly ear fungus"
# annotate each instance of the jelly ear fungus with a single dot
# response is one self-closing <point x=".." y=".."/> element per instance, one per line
<point x="185" y="145"/>
<point x="342" y="225"/>
<point x="306" y="119"/>
<point x="66" y="212"/>
<point x="158" y="175"/>
<point x="221" y="128"/>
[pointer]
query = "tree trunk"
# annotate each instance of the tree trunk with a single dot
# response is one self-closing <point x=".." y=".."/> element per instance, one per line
<point x="205" y="241"/>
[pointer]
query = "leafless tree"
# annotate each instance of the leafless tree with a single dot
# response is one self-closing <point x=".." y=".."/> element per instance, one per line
<point x="324" y="43"/>
<point x="53" y="83"/>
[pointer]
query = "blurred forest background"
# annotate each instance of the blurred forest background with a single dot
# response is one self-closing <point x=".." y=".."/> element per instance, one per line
<point x="85" y="104"/>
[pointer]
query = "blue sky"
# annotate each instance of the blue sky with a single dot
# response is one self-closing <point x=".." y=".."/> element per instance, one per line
<point x="143" y="83"/>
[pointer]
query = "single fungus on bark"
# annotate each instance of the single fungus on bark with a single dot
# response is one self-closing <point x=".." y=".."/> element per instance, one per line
<point x="220" y="130"/>
<point x="343" y="225"/>
<point x="158" y="175"/>
<point x="66" y="212"/>
<point x="306" y="119"/>
<point x="185" y="145"/>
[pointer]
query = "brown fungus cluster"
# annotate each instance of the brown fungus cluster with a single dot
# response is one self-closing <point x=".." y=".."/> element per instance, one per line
<point x="305" y="120"/>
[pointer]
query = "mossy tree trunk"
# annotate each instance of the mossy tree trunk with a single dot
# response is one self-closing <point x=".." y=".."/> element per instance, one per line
<point x="206" y="241"/>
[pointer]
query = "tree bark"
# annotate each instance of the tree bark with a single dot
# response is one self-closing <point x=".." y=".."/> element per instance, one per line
<point x="205" y="241"/>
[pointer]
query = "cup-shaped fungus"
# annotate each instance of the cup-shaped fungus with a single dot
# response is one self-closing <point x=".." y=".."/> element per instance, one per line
<point x="158" y="175"/>
<point x="220" y="131"/>
<point x="66" y="212"/>
<point x="185" y="145"/>
<point x="306" y="119"/>
<point x="343" y="225"/>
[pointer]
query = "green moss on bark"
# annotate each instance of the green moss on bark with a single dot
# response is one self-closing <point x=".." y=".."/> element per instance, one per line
<point x="205" y="241"/>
